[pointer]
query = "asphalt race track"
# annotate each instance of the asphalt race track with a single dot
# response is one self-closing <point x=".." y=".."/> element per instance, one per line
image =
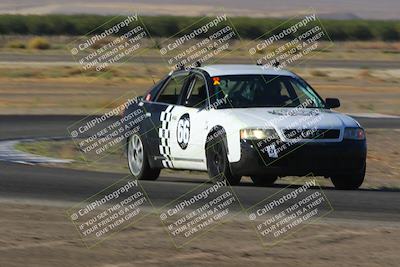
<point x="26" y="182"/>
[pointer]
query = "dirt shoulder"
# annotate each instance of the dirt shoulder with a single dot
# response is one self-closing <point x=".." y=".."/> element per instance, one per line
<point x="43" y="236"/>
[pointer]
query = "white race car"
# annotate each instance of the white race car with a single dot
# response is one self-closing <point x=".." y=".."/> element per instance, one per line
<point x="245" y="120"/>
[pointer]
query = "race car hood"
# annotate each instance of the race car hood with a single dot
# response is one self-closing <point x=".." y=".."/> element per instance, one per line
<point x="290" y="118"/>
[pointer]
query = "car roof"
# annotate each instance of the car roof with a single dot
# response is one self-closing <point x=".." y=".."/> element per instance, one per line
<point x="243" y="69"/>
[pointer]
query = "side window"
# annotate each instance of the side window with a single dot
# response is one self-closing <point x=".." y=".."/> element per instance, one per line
<point x="151" y="94"/>
<point x="197" y="93"/>
<point x="172" y="89"/>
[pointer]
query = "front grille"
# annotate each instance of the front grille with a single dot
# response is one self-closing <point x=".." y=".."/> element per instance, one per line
<point x="311" y="133"/>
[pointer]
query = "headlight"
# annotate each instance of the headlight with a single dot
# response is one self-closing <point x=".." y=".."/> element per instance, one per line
<point x="354" y="133"/>
<point x="258" y="134"/>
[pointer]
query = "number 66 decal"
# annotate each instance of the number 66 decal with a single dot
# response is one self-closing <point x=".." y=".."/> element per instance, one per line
<point x="183" y="131"/>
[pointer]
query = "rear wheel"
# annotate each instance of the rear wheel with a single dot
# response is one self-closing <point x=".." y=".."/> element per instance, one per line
<point x="137" y="160"/>
<point x="217" y="163"/>
<point x="264" y="180"/>
<point x="349" y="181"/>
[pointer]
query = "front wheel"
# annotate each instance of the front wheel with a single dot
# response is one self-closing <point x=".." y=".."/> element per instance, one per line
<point x="217" y="163"/>
<point x="137" y="160"/>
<point x="349" y="181"/>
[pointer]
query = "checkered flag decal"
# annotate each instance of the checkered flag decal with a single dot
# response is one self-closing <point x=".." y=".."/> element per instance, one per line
<point x="164" y="134"/>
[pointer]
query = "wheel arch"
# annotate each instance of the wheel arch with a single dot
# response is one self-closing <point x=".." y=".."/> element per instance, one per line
<point x="214" y="133"/>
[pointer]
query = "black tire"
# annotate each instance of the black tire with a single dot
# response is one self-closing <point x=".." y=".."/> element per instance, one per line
<point x="264" y="180"/>
<point x="349" y="181"/>
<point x="217" y="163"/>
<point x="145" y="172"/>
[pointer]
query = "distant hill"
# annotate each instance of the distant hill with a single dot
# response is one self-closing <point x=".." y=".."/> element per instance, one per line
<point x="333" y="9"/>
<point x="338" y="16"/>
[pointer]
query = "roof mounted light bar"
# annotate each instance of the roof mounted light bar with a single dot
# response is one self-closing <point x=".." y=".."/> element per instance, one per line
<point x="197" y="64"/>
<point x="276" y="64"/>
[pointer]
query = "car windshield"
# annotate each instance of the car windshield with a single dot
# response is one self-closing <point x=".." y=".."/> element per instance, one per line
<point x="242" y="91"/>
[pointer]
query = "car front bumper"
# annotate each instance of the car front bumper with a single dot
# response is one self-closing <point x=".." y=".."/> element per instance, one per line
<point x="322" y="158"/>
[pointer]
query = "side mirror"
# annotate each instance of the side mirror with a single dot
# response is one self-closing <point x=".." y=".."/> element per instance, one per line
<point x="332" y="103"/>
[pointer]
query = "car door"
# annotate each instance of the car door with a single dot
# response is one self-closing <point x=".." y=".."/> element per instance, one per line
<point x="159" y="108"/>
<point x="189" y="125"/>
